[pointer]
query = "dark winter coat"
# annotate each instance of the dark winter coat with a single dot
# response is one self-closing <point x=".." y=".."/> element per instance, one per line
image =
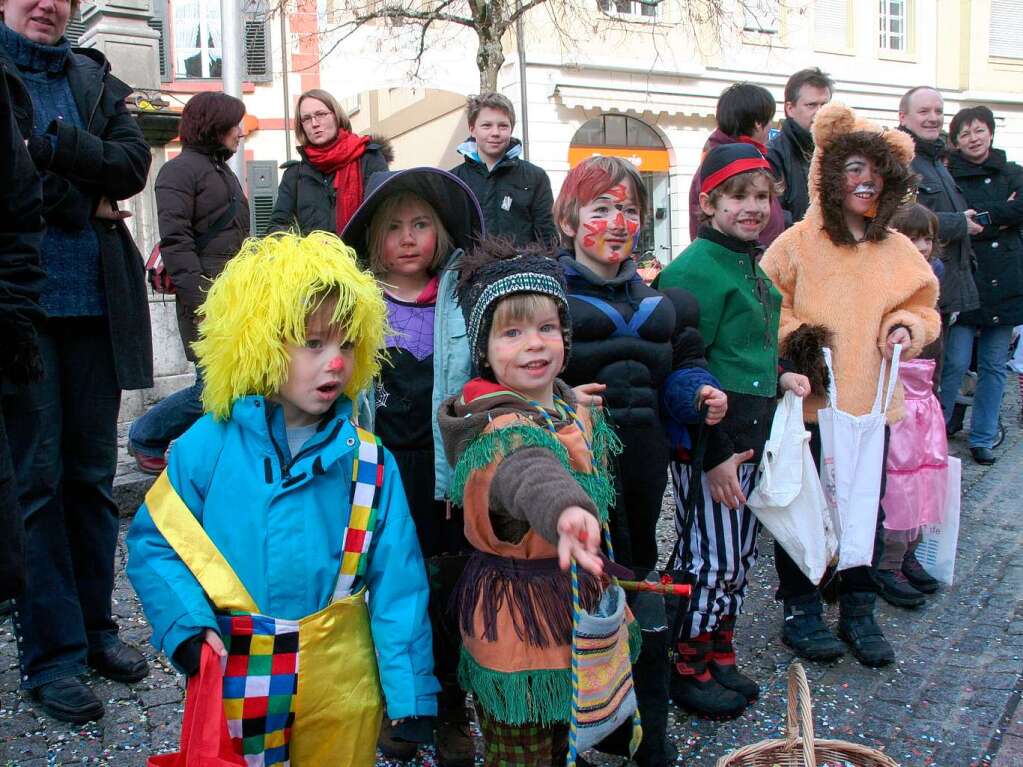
<point x="938" y="191"/>
<point x="790" y="153"/>
<point x="999" y="248"/>
<point x="108" y="158"/>
<point x="21" y="280"/>
<point x="193" y="192"/>
<point x="515" y="196"/>
<point x="633" y="363"/>
<point x="306" y="198"/>
<point x="775" y="224"/>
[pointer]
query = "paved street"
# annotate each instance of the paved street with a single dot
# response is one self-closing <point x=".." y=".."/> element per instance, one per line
<point x="950" y="701"/>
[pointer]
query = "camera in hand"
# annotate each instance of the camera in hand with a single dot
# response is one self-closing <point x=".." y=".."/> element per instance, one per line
<point x="984" y="218"/>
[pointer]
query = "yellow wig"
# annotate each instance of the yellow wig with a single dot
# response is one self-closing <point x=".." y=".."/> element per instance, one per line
<point x="260" y="303"/>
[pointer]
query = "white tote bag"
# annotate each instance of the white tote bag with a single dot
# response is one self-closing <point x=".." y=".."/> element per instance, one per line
<point x="788" y="498"/>
<point x="852" y="459"/>
<point x="937" y="550"/>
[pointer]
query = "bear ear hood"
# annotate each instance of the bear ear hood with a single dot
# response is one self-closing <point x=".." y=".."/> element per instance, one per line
<point x="839" y="133"/>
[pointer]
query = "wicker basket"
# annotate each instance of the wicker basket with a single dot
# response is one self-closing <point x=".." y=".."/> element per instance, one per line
<point x="799" y="748"/>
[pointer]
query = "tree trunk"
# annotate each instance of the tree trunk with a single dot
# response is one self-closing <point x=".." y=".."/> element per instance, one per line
<point x="489" y="57"/>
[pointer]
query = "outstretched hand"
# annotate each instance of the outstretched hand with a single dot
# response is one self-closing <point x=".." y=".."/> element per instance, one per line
<point x="579" y="539"/>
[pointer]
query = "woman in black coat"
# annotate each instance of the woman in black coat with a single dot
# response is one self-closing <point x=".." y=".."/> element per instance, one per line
<point x="323" y="190"/>
<point x="21" y="279"/>
<point x="204" y="218"/>
<point x="993" y="185"/>
<point x="62" y="430"/>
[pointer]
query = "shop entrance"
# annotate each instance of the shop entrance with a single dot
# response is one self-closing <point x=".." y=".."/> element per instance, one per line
<point x="613" y="135"/>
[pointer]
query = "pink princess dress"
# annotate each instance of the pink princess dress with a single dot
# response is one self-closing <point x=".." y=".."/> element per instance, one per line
<point x="917" y="454"/>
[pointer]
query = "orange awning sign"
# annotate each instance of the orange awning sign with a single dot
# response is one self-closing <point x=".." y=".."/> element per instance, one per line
<point x="645" y="160"/>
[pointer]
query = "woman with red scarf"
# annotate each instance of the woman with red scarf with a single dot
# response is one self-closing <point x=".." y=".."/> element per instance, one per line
<point x="323" y="189"/>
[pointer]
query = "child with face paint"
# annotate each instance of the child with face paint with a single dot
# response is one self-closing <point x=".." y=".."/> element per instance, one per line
<point x="849" y="282"/>
<point x="739" y="312"/>
<point x="630" y="338"/>
<point x="412" y="230"/>
<point x="276" y="515"/>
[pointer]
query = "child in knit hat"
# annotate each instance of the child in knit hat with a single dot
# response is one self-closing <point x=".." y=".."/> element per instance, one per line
<point x="530" y="470"/>
<point x="276" y="515"/>
<point x="739" y="312"/>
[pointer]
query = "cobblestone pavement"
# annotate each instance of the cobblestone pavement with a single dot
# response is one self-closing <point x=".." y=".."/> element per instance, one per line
<point x="950" y="700"/>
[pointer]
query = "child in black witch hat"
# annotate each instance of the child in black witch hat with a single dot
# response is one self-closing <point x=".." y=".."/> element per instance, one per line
<point x="412" y="230"/>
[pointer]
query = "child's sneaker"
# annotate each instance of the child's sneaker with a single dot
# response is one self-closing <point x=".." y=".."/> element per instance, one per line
<point x="401" y="750"/>
<point x="922" y="580"/>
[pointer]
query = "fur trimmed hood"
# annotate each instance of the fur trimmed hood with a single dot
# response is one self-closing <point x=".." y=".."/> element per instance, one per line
<point x="839" y="133"/>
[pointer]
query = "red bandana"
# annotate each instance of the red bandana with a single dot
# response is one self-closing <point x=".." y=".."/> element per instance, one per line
<point x="341" y="159"/>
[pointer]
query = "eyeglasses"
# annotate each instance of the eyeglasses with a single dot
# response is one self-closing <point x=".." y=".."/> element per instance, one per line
<point x="318" y="117"/>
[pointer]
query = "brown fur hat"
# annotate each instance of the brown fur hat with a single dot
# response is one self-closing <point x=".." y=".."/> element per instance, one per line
<point x="838" y="133"/>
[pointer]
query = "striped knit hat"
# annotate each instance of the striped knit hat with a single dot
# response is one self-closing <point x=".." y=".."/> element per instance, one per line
<point x="495" y="270"/>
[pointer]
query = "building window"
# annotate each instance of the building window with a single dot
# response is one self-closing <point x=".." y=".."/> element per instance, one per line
<point x="831" y="25"/>
<point x="1006" y="31"/>
<point x="893" y="19"/>
<point x="643" y="9"/>
<point x="197" y="52"/>
<point x="761" y="17"/>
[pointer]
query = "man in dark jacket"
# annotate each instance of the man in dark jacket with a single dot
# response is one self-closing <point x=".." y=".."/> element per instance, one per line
<point x="96" y="342"/>
<point x="21" y="280"/>
<point x="922" y="115"/>
<point x="790" y="151"/>
<point x="515" y="194"/>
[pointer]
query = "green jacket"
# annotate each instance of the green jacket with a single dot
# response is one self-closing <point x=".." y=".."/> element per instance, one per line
<point x="739" y="312"/>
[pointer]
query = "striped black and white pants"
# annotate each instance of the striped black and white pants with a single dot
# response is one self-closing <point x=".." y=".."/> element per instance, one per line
<point x="719" y="552"/>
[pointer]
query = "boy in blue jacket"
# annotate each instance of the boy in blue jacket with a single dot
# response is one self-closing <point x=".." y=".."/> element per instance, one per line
<point x="277" y="514"/>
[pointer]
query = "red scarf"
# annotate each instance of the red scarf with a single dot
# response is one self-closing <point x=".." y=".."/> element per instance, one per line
<point x="760" y="147"/>
<point x="340" y="158"/>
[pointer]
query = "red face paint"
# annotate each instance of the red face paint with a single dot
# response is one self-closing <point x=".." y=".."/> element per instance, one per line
<point x="593" y="229"/>
<point x="336" y="365"/>
<point x="619" y="193"/>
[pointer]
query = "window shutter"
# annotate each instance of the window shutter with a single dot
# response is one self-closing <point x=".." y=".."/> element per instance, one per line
<point x="1006" y="36"/>
<point x="257" y="50"/>
<point x="831" y="24"/>
<point x="262" y="183"/>
<point x="158" y="22"/>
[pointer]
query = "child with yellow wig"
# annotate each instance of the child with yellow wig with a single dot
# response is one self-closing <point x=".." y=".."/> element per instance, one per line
<point x="277" y="514"/>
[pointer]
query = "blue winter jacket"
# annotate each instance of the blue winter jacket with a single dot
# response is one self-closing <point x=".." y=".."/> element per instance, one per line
<point x="279" y="521"/>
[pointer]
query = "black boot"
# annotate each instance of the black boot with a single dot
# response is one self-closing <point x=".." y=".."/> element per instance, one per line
<point x="399" y="750"/>
<point x="922" y="580"/>
<point x="695" y="690"/>
<point x="805" y="632"/>
<point x="722" y="662"/>
<point x="453" y="739"/>
<point x="896" y="589"/>
<point x="856" y="625"/>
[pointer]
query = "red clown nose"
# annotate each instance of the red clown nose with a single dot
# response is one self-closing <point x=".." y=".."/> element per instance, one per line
<point x="336" y="365"/>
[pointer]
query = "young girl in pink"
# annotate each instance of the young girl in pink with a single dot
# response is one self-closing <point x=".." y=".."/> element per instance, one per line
<point x="918" y="451"/>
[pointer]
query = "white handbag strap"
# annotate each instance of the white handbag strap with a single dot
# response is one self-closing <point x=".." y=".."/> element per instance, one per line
<point x="893" y="376"/>
<point x="779" y="425"/>
<point x="832" y="387"/>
